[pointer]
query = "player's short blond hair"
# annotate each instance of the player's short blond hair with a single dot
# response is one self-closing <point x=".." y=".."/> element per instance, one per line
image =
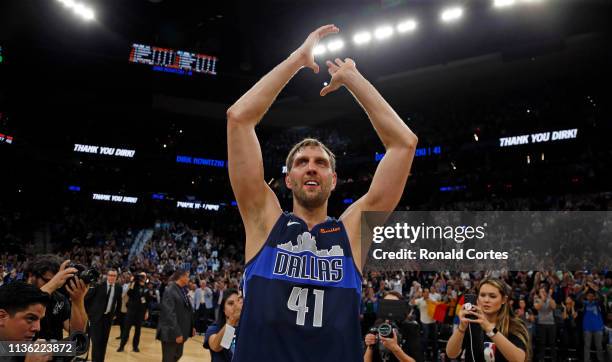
<point x="309" y="142"/>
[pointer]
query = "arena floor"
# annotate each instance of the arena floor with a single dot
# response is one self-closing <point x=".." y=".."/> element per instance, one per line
<point x="150" y="349"/>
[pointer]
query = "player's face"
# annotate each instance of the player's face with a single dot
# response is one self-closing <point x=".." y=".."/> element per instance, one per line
<point x="23" y="325"/>
<point x="490" y="299"/>
<point x="311" y="178"/>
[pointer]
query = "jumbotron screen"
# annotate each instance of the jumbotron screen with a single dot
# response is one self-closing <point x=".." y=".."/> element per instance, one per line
<point x="170" y="59"/>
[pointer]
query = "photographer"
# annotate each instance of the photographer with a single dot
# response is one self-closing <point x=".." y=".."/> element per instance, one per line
<point x="136" y="310"/>
<point x="50" y="275"/>
<point x="21" y="308"/>
<point x="489" y="331"/>
<point x="403" y="345"/>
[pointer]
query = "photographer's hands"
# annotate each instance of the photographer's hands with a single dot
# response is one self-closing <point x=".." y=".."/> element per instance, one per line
<point x="59" y="279"/>
<point x="477" y="312"/>
<point x="77" y="289"/>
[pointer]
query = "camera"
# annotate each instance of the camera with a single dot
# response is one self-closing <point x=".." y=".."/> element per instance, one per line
<point x="81" y="341"/>
<point x="86" y="275"/>
<point x="470" y="300"/>
<point x="384" y="330"/>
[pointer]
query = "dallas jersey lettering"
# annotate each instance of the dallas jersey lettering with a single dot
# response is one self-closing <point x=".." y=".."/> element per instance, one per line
<point x="302" y="295"/>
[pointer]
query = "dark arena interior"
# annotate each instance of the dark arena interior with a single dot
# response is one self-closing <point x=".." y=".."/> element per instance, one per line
<point x="114" y="146"/>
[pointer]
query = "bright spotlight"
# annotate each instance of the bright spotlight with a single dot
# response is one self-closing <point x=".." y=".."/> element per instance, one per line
<point x="319" y="49"/>
<point x="383" y="32"/>
<point x="405" y="26"/>
<point x="451" y="14"/>
<point x="503" y="3"/>
<point x="84" y="11"/>
<point x="335" y="45"/>
<point x="362" y="37"/>
<point x="68" y="3"/>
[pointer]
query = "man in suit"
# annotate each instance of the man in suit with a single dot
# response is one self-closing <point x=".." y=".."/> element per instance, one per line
<point x="102" y="303"/>
<point x="176" y="322"/>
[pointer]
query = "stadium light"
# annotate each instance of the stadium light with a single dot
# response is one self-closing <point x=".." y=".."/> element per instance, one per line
<point x="68" y="3"/>
<point x="319" y="49"/>
<point x="383" y="32"/>
<point x="80" y="9"/>
<point x="335" y="45"/>
<point x="451" y="14"/>
<point x="406" y="26"/>
<point x="85" y="12"/>
<point x="503" y="3"/>
<point x="362" y="37"/>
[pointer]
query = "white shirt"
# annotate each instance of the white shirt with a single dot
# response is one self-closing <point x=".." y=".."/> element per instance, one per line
<point x="422" y="304"/>
<point x="109" y="304"/>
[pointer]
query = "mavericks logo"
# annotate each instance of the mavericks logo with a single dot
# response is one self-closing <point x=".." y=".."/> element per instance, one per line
<point x="305" y="261"/>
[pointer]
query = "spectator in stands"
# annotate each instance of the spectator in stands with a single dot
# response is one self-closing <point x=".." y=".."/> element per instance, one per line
<point x="569" y="335"/>
<point x="527" y="316"/>
<point x="428" y="325"/>
<point x="546" y="332"/>
<point x="592" y="326"/>
<point x="203" y="306"/>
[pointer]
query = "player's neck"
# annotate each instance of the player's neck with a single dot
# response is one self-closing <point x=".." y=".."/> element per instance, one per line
<point x="312" y="217"/>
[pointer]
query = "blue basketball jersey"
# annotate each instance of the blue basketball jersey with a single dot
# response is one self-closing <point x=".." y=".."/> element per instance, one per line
<point x="302" y="295"/>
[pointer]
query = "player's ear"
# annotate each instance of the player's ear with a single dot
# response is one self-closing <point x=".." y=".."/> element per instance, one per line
<point x="4" y="316"/>
<point x="288" y="181"/>
<point x="334" y="181"/>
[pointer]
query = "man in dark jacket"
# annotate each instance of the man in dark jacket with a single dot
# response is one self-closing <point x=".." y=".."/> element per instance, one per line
<point x="102" y="302"/>
<point x="176" y="322"/>
<point x="136" y="310"/>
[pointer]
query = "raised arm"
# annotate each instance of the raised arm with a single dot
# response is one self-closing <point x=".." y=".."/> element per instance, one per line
<point x="400" y="143"/>
<point x="257" y="203"/>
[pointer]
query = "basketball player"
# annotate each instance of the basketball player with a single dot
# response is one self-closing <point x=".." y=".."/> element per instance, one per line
<point x="302" y="282"/>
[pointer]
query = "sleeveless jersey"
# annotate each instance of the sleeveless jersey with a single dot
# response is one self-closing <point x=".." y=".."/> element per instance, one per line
<point x="302" y="294"/>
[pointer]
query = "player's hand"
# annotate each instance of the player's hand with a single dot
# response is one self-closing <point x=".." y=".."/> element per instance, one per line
<point x="59" y="279"/>
<point x="339" y="71"/>
<point x="305" y="51"/>
<point x="146" y="315"/>
<point x="179" y="339"/>
<point x="77" y="289"/>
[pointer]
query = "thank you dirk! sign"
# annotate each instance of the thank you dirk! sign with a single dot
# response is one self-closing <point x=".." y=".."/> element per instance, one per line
<point x="100" y="150"/>
<point x="541" y="137"/>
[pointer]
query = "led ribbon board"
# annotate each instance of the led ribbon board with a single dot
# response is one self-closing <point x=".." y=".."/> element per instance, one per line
<point x="173" y="61"/>
<point x="200" y="161"/>
<point x="115" y="198"/>
<point x="419" y="152"/>
<point x="197" y="205"/>
<point x="542" y="137"/>
<point x="109" y="151"/>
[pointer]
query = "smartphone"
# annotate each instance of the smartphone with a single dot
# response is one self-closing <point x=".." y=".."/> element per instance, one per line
<point x="472" y="299"/>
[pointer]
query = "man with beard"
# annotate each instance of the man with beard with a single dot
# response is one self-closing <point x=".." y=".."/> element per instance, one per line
<point x="302" y="281"/>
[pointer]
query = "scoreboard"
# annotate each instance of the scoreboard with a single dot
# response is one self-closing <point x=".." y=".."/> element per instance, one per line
<point x="170" y="59"/>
